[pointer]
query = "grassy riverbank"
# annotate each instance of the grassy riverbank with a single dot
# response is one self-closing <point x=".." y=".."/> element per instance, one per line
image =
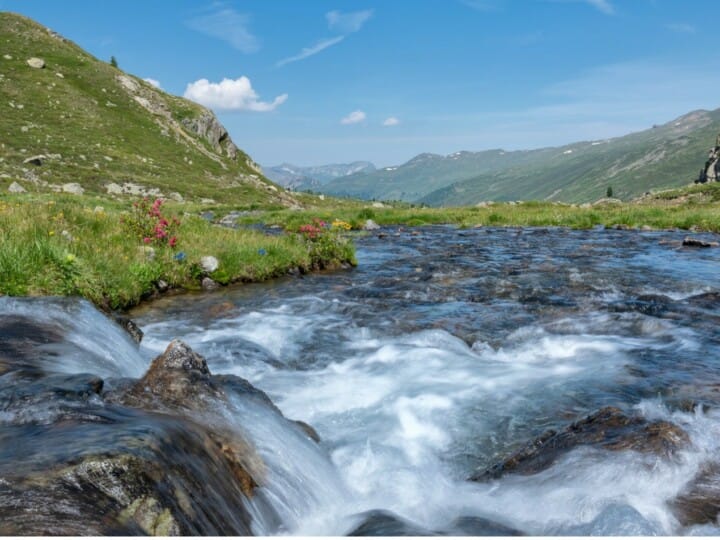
<point x="696" y="207"/>
<point x="69" y="245"/>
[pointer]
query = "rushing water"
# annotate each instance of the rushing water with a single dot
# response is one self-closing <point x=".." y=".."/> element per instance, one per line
<point x="445" y="351"/>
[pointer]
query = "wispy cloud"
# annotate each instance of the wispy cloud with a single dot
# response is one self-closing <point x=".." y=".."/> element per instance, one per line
<point x="681" y="28"/>
<point x="153" y="82"/>
<point x="391" y="121"/>
<point x="354" y="117"/>
<point x="346" y="23"/>
<point x="230" y="95"/>
<point x="309" y="51"/>
<point x="603" y="6"/>
<point x="482" y="5"/>
<point x="228" y="25"/>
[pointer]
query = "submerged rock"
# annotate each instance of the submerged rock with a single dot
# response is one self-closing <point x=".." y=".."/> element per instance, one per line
<point x="156" y="456"/>
<point x="699" y="502"/>
<point x="696" y="242"/>
<point x="384" y="523"/>
<point x="609" y="428"/>
<point x="130" y="327"/>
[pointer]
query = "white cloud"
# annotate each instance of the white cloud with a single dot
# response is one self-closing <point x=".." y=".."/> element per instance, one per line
<point x="230" y="95"/>
<point x="347" y="23"/>
<point x="681" y="28"/>
<point x="153" y="82"/>
<point x="391" y="121"/>
<point x="230" y="26"/>
<point x="354" y="117"/>
<point x="309" y="51"/>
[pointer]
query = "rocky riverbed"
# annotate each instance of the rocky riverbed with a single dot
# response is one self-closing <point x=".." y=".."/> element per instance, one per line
<point x="484" y="382"/>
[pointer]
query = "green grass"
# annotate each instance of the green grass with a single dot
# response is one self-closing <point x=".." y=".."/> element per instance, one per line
<point x="99" y="259"/>
<point x="77" y="111"/>
<point x="683" y="208"/>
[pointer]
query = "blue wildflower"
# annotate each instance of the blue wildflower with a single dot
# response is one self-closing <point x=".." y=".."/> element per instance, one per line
<point x="261" y="251"/>
<point x="180" y="256"/>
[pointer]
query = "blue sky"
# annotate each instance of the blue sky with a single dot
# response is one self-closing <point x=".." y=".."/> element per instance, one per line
<point x="315" y="82"/>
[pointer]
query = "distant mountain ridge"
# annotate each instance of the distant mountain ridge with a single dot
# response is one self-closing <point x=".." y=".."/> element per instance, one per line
<point x="665" y="156"/>
<point x="313" y="177"/>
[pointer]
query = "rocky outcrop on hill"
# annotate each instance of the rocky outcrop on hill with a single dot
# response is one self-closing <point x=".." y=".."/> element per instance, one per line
<point x="711" y="171"/>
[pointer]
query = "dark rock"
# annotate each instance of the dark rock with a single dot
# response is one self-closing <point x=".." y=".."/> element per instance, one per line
<point x="478" y="526"/>
<point x="129" y="326"/>
<point x="709" y="300"/>
<point x="34" y="160"/>
<point x="208" y="284"/>
<point x="711" y="170"/>
<point x="699" y="502"/>
<point x="384" y="523"/>
<point x="696" y="242"/>
<point x="140" y="463"/>
<point x="653" y="305"/>
<point x="178" y="378"/>
<point x="308" y="429"/>
<point x="609" y="428"/>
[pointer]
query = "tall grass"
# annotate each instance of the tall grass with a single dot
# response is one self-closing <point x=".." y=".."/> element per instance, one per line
<point x="71" y="246"/>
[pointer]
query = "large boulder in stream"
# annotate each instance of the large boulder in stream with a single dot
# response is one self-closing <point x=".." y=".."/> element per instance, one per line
<point x="609" y="429"/>
<point x="150" y="456"/>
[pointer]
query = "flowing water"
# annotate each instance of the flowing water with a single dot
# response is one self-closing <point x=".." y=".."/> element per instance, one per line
<point x="444" y="352"/>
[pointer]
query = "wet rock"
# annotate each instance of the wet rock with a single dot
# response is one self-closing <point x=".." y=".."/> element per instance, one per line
<point x="129" y="326"/>
<point x="384" y="523"/>
<point x="653" y="305"/>
<point x="478" y="526"/>
<point x="609" y="428"/>
<point x="178" y="378"/>
<point x="370" y="225"/>
<point x="309" y="430"/>
<point x="699" y="502"/>
<point x="208" y="284"/>
<point x="709" y="300"/>
<point x="696" y="242"/>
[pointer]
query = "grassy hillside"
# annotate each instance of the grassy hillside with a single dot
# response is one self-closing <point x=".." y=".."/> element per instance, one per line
<point x="665" y="156"/>
<point x="97" y="126"/>
<point x="424" y="174"/>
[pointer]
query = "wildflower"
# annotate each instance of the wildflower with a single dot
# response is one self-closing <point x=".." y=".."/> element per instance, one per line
<point x="147" y="240"/>
<point x="261" y="251"/>
<point x="52" y="233"/>
<point x="180" y="256"/>
<point x="69" y="258"/>
<point x="173" y="241"/>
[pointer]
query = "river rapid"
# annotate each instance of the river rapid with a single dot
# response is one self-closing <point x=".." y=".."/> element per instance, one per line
<point x="444" y="352"/>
